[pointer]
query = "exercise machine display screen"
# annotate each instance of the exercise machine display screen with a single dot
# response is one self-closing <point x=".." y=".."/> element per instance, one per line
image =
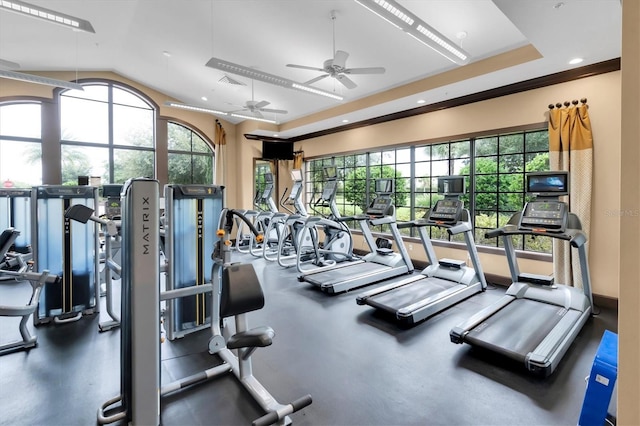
<point x="544" y="214"/>
<point x="447" y="210"/>
<point x="296" y="175"/>
<point x="548" y="184"/>
<point x="329" y="189"/>
<point x="451" y="185"/>
<point x="330" y="172"/>
<point x="379" y="207"/>
<point x="384" y="186"/>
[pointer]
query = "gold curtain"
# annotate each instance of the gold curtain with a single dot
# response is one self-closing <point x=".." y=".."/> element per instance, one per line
<point x="298" y="157"/>
<point x="220" y="139"/>
<point x="571" y="149"/>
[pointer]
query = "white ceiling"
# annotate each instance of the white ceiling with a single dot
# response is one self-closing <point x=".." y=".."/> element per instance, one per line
<point x="132" y="36"/>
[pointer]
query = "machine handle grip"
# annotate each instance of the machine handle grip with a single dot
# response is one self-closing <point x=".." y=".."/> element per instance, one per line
<point x="459" y="228"/>
<point x="274" y="416"/>
<point x="493" y="233"/>
<point x="405" y="225"/>
<point x="579" y="239"/>
<point x="302" y="402"/>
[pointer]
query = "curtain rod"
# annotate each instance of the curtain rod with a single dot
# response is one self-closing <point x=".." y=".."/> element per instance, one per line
<point x="567" y="103"/>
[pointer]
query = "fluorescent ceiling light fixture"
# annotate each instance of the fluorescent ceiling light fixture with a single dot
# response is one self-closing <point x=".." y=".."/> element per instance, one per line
<point x="47" y="15"/>
<point x="254" y="74"/>
<point x="404" y="19"/>
<point x="249" y="117"/>
<point x="30" y="78"/>
<point x="215" y="112"/>
<point x="194" y="108"/>
<point x="8" y="65"/>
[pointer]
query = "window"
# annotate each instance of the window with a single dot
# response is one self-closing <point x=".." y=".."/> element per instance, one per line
<point x="107" y="131"/>
<point x="190" y="156"/>
<point x="20" y="145"/>
<point x="260" y="169"/>
<point x="494" y="167"/>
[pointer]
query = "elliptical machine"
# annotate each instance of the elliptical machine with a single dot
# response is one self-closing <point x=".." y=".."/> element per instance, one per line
<point x="338" y="241"/>
<point x="287" y="227"/>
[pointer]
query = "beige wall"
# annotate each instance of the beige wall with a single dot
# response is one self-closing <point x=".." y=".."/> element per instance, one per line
<point x="235" y="160"/>
<point x="603" y="94"/>
<point x="629" y="243"/>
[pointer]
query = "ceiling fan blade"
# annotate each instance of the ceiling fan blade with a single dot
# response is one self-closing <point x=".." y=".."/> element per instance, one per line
<point x="304" y="67"/>
<point x="313" y="80"/>
<point x="346" y="81"/>
<point x="275" y="111"/>
<point x="261" y="104"/>
<point x="340" y="58"/>
<point x="370" y="70"/>
<point x="257" y="114"/>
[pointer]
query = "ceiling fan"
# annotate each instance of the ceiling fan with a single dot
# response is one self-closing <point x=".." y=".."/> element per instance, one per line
<point x="256" y="108"/>
<point x="336" y="67"/>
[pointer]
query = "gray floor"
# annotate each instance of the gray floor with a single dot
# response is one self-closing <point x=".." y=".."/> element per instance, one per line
<point x="359" y="367"/>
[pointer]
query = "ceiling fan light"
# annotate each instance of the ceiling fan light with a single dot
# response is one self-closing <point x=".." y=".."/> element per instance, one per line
<point x="34" y="11"/>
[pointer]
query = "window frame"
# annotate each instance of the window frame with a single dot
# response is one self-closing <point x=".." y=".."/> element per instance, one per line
<point x="110" y="146"/>
<point x="313" y="179"/>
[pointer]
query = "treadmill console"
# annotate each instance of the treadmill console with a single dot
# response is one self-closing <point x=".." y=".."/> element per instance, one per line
<point x="381" y="206"/>
<point x="550" y="215"/>
<point x="447" y="210"/>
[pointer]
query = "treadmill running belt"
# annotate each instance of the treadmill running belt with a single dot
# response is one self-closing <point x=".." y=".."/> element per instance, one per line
<point x="398" y="298"/>
<point x="333" y="276"/>
<point x="518" y="328"/>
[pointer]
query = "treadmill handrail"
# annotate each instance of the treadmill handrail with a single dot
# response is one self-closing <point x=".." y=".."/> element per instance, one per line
<point x="568" y="235"/>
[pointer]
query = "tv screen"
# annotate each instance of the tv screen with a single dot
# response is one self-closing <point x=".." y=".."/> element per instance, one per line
<point x="451" y="185"/>
<point x="330" y="172"/>
<point x="277" y="150"/>
<point x="548" y="183"/>
<point x="296" y="175"/>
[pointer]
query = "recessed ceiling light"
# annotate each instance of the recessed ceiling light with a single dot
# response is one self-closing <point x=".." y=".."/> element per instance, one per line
<point x="345" y="121"/>
<point x="275" y="135"/>
<point x="204" y="98"/>
<point x="167" y="54"/>
<point x="421" y="101"/>
<point x="575" y="61"/>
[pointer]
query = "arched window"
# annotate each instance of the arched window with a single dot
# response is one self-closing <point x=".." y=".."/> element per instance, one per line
<point x="20" y="144"/>
<point x="191" y="158"/>
<point x="107" y="131"/>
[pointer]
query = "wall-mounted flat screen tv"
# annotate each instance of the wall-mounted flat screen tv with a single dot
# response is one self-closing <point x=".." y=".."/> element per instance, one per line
<point x="277" y="150"/>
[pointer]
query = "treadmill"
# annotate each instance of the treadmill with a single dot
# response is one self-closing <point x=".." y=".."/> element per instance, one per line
<point x="537" y="319"/>
<point x="444" y="282"/>
<point x="381" y="263"/>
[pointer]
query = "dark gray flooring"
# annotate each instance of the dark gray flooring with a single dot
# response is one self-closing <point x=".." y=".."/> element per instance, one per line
<point x="359" y="367"/>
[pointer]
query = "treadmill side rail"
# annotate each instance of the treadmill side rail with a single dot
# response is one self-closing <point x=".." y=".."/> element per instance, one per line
<point x="458" y="333"/>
